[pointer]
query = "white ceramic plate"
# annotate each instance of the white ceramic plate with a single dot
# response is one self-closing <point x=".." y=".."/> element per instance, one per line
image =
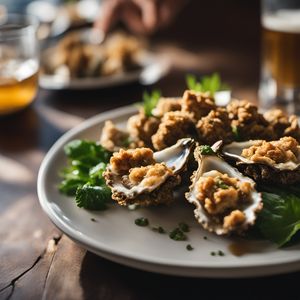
<point x="115" y="236"/>
<point x="153" y="68"/>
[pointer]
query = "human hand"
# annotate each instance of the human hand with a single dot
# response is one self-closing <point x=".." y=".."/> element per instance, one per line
<point x="139" y="16"/>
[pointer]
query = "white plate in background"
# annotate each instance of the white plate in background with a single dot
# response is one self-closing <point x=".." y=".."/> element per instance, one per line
<point x="153" y="68"/>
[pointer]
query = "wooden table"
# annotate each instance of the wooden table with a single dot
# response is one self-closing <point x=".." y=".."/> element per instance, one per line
<point x="36" y="259"/>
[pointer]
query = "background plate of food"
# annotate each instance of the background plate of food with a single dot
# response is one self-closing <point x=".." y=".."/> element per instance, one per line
<point x="81" y="61"/>
<point x="167" y="196"/>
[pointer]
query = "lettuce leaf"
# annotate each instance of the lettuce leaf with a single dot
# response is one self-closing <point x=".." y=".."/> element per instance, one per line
<point x="279" y="220"/>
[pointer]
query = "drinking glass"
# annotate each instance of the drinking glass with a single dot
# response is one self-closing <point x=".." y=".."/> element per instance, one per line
<point x="280" y="73"/>
<point x="18" y="62"/>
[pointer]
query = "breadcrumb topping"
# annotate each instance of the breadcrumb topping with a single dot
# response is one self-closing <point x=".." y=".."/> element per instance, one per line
<point x="275" y="152"/>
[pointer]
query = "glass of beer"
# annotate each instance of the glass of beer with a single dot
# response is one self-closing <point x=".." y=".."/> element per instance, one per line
<point x="280" y="74"/>
<point x="18" y="62"/>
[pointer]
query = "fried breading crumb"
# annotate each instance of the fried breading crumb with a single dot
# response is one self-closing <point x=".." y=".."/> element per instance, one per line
<point x="113" y="138"/>
<point x="174" y="126"/>
<point x="234" y="219"/>
<point x="248" y="122"/>
<point x="197" y="104"/>
<point x="275" y="152"/>
<point x="219" y="193"/>
<point x="165" y="105"/>
<point x="141" y="128"/>
<point x="282" y="124"/>
<point x="214" y="127"/>
<point x="121" y="162"/>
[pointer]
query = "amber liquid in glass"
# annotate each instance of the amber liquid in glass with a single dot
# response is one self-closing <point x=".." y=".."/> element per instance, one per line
<point x="282" y="56"/>
<point x="15" y="93"/>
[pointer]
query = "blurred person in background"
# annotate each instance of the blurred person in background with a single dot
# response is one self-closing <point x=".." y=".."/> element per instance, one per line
<point x="138" y="16"/>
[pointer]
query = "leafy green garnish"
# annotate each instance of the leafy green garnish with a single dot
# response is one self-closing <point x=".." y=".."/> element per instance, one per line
<point x="150" y="101"/>
<point x="208" y="83"/>
<point x="279" y="220"/>
<point x="87" y="152"/>
<point x="141" y="222"/>
<point x="82" y="177"/>
<point x="206" y="150"/>
<point x="92" y="197"/>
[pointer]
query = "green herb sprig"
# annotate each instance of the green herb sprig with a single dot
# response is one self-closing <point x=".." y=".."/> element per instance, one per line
<point x="150" y="101"/>
<point x="206" y="150"/>
<point x="210" y="83"/>
<point x="82" y="177"/>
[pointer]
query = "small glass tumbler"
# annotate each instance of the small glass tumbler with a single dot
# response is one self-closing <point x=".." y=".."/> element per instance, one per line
<point x="280" y="68"/>
<point x="19" y="62"/>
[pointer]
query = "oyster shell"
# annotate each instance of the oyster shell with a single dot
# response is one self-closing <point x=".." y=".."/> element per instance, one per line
<point x="225" y="200"/>
<point x="139" y="176"/>
<point x="263" y="166"/>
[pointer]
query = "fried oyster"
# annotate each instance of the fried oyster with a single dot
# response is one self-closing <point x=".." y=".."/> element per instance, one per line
<point x="197" y="104"/>
<point x="247" y="122"/>
<point x="166" y="105"/>
<point x="269" y="162"/>
<point x="113" y="138"/>
<point x="282" y="124"/>
<point x="141" y="129"/>
<point x="214" y="127"/>
<point x="226" y="201"/>
<point x="174" y="126"/>
<point x="139" y="176"/>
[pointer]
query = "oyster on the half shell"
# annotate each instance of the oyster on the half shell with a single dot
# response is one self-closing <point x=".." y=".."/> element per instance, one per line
<point x="268" y="162"/>
<point x="139" y="176"/>
<point x="225" y="200"/>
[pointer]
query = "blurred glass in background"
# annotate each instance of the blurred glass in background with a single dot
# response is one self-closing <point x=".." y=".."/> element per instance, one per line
<point x="280" y="75"/>
<point x="18" y="62"/>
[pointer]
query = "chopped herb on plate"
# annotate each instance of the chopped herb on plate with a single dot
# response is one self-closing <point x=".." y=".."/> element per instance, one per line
<point x="177" y="235"/>
<point x="141" y="222"/>
<point x="189" y="247"/>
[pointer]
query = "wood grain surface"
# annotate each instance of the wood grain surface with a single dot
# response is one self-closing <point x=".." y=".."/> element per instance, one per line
<point x="36" y="260"/>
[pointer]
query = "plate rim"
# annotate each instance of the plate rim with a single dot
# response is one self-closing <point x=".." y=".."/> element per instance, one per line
<point x="76" y="235"/>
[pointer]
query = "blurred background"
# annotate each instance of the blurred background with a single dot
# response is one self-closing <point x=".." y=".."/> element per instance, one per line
<point x="202" y="37"/>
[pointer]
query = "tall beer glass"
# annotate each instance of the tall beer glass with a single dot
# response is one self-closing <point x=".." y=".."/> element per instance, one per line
<point x="280" y="74"/>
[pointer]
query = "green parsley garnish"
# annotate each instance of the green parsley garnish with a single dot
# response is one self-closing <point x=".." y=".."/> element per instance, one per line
<point x="82" y="177"/>
<point x="208" y="83"/>
<point x="189" y="247"/>
<point x="221" y="253"/>
<point x="141" y="222"/>
<point x="177" y="235"/>
<point x="158" y="229"/>
<point x="92" y="197"/>
<point x="213" y="253"/>
<point x="93" y="220"/>
<point x="150" y="101"/>
<point x="184" y="227"/>
<point x="222" y="185"/>
<point x="206" y="150"/>
<point x="205" y="237"/>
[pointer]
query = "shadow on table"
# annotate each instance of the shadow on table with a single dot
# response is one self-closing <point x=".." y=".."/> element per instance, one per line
<point x="102" y="279"/>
